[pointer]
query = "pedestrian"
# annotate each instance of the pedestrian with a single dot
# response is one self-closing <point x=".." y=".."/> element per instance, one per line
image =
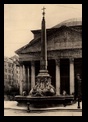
<point x="79" y="82"/>
<point x="79" y="90"/>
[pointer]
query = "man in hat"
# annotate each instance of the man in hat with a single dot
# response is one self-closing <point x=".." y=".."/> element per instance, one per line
<point x="79" y="82"/>
<point x="79" y="90"/>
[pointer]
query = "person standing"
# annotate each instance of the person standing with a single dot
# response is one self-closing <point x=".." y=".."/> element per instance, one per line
<point x="79" y="93"/>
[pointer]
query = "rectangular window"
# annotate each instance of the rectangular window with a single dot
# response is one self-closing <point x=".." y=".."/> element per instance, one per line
<point x="9" y="77"/>
<point x="5" y="76"/>
<point x="5" y="70"/>
<point x="9" y="71"/>
<point x="9" y="82"/>
<point x="4" y="64"/>
<point x="12" y="65"/>
<point x="9" y="65"/>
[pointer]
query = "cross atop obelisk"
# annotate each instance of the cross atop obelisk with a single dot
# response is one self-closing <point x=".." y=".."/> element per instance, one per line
<point x="43" y="11"/>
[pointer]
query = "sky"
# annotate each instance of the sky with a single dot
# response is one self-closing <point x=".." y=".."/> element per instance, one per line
<point x="20" y="19"/>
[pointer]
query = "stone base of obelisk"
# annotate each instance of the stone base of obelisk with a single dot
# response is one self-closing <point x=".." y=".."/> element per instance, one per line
<point x="43" y="73"/>
<point x="43" y="85"/>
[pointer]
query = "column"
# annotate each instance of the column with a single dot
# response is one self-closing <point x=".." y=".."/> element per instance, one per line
<point x="21" y="80"/>
<point x="32" y="74"/>
<point x="24" y="78"/>
<point x="28" y="72"/>
<point x="58" y="77"/>
<point x="24" y="70"/>
<point x="71" y="75"/>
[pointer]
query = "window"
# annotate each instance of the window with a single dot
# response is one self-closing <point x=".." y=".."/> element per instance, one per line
<point x="9" y="71"/>
<point x="4" y="64"/>
<point x="5" y="70"/>
<point x="12" y="77"/>
<point x="12" y="65"/>
<point x="9" y="77"/>
<point x="9" y="64"/>
<point x="5" y="76"/>
<point x="9" y="82"/>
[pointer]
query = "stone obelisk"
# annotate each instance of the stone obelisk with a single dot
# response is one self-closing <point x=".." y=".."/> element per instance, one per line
<point x="43" y="59"/>
<point x="43" y="79"/>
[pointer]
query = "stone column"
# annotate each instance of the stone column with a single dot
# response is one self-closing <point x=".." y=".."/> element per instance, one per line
<point x="28" y="72"/>
<point x="71" y="75"/>
<point x="24" y="78"/>
<point x="32" y="74"/>
<point x="58" y="77"/>
<point x="21" y="80"/>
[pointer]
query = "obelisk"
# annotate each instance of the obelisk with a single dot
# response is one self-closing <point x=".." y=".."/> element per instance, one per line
<point x="43" y="59"/>
<point x="43" y="85"/>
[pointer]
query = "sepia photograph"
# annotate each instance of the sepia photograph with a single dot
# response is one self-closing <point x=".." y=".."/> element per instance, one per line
<point x="42" y="59"/>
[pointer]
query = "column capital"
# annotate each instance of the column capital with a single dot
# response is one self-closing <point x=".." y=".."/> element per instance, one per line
<point x="21" y="62"/>
<point x="57" y="61"/>
<point x="71" y="59"/>
<point x="32" y="63"/>
<point x="23" y="65"/>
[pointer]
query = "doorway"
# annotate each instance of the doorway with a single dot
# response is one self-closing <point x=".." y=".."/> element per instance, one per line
<point x="51" y="70"/>
<point x="64" y="76"/>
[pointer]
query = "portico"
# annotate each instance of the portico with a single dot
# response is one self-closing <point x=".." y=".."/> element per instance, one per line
<point x="64" y="58"/>
<point x="68" y="81"/>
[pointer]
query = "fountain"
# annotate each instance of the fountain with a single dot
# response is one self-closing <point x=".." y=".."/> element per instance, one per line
<point x="43" y="94"/>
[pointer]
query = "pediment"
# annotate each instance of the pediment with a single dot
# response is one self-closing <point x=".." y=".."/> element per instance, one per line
<point x="62" y="38"/>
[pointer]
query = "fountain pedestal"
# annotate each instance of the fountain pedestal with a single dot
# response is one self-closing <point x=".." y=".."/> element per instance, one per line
<point x="43" y="85"/>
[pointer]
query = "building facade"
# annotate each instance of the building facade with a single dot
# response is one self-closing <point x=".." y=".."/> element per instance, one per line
<point x="64" y="53"/>
<point x="11" y="71"/>
<point x="8" y="71"/>
<point x="16" y="70"/>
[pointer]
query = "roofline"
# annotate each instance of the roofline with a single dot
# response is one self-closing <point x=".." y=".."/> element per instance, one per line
<point x="34" y="40"/>
<point x="38" y="31"/>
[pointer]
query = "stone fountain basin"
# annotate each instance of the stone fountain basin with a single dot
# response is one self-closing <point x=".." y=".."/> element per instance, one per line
<point x="44" y="101"/>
